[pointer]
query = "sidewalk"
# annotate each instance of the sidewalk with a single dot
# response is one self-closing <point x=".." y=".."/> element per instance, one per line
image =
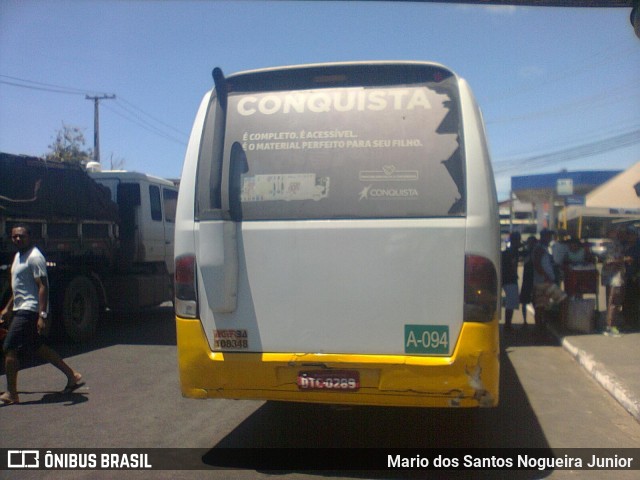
<point x="614" y="362"/>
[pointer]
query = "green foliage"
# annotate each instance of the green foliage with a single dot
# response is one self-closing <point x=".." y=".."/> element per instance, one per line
<point x="69" y="146"/>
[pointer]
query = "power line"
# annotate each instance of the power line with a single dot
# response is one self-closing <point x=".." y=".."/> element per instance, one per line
<point x="145" y="125"/>
<point x="614" y="95"/>
<point x="154" y="118"/>
<point x="47" y="87"/>
<point x="577" y="138"/>
<point x="131" y="116"/>
<point x="584" y="66"/>
<point x="44" y="89"/>
<point x="569" y="154"/>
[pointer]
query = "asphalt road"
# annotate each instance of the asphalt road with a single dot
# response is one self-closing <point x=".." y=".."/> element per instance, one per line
<point x="132" y="400"/>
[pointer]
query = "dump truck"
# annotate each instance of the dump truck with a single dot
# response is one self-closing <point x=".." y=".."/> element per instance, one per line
<point x="107" y="237"/>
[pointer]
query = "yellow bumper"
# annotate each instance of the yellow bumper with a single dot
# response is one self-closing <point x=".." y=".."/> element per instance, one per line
<point x="468" y="378"/>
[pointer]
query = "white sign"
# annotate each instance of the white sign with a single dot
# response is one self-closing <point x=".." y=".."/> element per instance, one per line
<point x="565" y="186"/>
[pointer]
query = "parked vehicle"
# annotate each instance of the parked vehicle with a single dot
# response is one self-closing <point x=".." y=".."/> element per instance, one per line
<point x="107" y="237"/>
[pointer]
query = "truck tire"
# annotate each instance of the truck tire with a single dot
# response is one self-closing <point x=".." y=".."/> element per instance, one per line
<point x="81" y="309"/>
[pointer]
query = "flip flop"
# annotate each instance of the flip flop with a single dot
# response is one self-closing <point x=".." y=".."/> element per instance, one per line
<point x="7" y="400"/>
<point x="72" y="388"/>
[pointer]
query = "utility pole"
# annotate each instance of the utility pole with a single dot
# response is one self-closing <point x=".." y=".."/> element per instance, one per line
<point x="96" y="123"/>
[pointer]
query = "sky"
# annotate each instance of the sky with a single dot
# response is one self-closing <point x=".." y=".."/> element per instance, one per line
<point x="559" y="87"/>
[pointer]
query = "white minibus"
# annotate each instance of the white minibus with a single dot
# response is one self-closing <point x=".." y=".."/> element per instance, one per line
<point x="337" y="239"/>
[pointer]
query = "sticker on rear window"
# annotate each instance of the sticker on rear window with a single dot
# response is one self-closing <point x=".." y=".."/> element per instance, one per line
<point x="426" y="339"/>
<point x="287" y="187"/>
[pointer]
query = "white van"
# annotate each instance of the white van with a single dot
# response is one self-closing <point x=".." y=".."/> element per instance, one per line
<point x="337" y="239"/>
<point x="149" y="213"/>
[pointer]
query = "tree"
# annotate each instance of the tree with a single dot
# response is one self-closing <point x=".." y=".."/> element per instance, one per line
<point x="116" y="163"/>
<point x="69" y="146"/>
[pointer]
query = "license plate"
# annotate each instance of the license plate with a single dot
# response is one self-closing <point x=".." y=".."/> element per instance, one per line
<point x="426" y="339"/>
<point x="329" y="380"/>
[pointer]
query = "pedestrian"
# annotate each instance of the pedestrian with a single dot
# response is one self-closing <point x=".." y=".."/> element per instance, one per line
<point x="526" y="291"/>
<point x="509" y="270"/>
<point x="577" y="254"/>
<point x="29" y="306"/>
<point x="559" y="252"/>
<point x="545" y="289"/>
<point x="509" y="273"/>
<point x="631" y="306"/>
<point x="613" y="278"/>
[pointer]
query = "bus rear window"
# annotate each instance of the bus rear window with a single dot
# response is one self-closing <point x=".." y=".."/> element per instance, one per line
<point x="388" y="151"/>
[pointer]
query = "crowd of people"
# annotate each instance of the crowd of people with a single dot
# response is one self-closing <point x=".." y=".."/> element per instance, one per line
<point x="548" y="259"/>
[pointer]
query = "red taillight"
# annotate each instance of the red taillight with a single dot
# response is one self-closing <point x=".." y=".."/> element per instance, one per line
<point x="186" y="304"/>
<point x="480" y="289"/>
<point x="185" y="286"/>
<point x="186" y="277"/>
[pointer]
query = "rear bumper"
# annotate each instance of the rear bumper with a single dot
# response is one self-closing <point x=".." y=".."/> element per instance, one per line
<point x="468" y="378"/>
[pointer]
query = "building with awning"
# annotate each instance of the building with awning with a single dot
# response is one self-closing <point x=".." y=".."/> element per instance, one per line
<point x="551" y="193"/>
<point x="617" y="200"/>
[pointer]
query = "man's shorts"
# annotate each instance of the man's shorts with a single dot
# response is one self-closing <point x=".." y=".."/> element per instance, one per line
<point x="23" y="332"/>
<point x="511" y="296"/>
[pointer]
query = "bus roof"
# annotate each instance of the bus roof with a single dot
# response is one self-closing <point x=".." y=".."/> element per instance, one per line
<point x="131" y="176"/>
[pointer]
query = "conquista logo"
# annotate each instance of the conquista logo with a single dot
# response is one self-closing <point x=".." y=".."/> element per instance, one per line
<point x="377" y="192"/>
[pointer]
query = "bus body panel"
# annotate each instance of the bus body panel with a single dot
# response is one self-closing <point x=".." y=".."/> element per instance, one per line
<point x="278" y="298"/>
<point x="469" y="378"/>
<point x="337" y="286"/>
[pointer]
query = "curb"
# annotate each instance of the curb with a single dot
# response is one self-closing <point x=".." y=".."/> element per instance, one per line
<point x="602" y="376"/>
